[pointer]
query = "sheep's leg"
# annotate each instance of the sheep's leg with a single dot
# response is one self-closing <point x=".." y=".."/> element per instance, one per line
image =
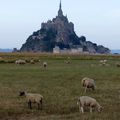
<point x="82" y="110"/>
<point x="93" y="88"/>
<point x="90" y="109"/>
<point x="41" y="103"/>
<point x="85" y="89"/>
<point x="38" y="106"/>
<point x="30" y="105"/>
<point x="79" y="109"/>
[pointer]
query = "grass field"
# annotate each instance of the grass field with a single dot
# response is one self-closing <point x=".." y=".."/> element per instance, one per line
<point x="60" y="84"/>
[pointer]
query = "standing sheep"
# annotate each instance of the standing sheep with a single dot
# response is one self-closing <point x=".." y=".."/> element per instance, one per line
<point x="20" y="62"/>
<point x="118" y="64"/>
<point x="33" y="98"/>
<point x="32" y="61"/>
<point x="44" y="64"/>
<point x="88" y="83"/>
<point x="85" y="101"/>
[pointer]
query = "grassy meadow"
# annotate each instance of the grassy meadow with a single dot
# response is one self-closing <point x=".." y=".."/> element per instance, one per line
<point x="60" y="84"/>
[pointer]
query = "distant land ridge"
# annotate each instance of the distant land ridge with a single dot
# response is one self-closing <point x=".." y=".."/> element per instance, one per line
<point x="6" y="50"/>
<point x="117" y="51"/>
<point x="59" y="32"/>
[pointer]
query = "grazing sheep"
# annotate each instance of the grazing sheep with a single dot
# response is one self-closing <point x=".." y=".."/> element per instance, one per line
<point x="33" y="98"/>
<point x="67" y="61"/>
<point x="68" y="58"/>
<point x="20" y="62"/>
<point x="44" y="64"/>
<point x="88" y="83"/>
<point x="103" y="62"/>
<point x="85" y="101"/>
<point x="118" y="64"/>
<point x="32" y="61"/>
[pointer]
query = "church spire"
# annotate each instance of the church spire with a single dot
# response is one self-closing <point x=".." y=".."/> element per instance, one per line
<point x="60" y="7"/>
<point x="60" y="12"/>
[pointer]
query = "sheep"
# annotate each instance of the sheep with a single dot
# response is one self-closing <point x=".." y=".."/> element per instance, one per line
<point x="32" y="98"/>
<point x="103" y="62"/>
<point x="20" y="62"/>
<point x="86" y="101"/>
<point x="32" y="61"/>
<point x="67" y="61"/>
<point x="118" y="64"/>
<point x="88" y="83"/>
<point x="44" y="64"/>
<point x="68" y="58"/>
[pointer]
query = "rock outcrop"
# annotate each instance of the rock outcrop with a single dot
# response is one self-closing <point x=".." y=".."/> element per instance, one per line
<point x="59" y="32"/>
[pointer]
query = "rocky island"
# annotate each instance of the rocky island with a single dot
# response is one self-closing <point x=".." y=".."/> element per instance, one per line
<point x="59" y="32"/>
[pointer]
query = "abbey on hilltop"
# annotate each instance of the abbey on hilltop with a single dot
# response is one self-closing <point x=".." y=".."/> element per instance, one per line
<point x="58" y="35"/>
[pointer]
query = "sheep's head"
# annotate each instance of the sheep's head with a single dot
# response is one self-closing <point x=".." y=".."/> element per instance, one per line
<point x="83" y="83"/>
<point x="100" y="108"/>
<point x="21" y="93"/>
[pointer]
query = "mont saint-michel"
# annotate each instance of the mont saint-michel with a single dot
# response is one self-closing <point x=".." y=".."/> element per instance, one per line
<point x="58" y="35"/>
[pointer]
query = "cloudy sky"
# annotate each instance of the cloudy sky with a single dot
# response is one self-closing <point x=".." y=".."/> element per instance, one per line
<point x="98" y="20"/>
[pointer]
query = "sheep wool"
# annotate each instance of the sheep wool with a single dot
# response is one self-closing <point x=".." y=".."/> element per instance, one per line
<point x="88" y="83"/>
<point x="90" y="102"/>
<point x="32" y="98"/>
<point x="20" y="62"/>
<point x="44" y="64"/>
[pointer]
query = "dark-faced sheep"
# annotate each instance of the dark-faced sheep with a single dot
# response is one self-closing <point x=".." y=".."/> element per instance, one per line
<point x="85" y="101"/>
<point x="33" y="98"/>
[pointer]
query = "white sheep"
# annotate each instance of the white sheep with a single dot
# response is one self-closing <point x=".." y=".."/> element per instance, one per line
<point x="118" y="64"/>
<point x="20" y="62"/>
<point x="67" y="61"/>
<point x="88" y="83"/>
<point x="44" y="64"/>
<point x="32" y="61"/>
<point x="33" y="98"/>
<point x="103" y="62"/>
<point x="85" y="101"/>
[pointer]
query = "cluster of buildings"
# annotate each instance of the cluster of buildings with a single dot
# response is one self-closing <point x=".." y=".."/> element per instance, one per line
<point x="57" y="50"/>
